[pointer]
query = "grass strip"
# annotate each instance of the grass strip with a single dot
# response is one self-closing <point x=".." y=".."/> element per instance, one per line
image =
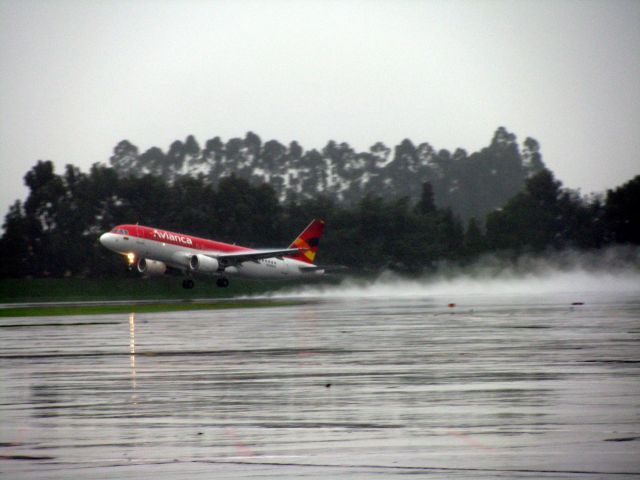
<point x="60" y="310"/>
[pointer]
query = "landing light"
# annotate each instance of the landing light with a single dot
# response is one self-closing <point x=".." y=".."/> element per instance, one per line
<point x="131" y="257"/>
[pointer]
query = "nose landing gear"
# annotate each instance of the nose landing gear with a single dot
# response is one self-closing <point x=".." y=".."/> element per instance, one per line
<point x="222" y="282"/>
<point x="188" y="283"/>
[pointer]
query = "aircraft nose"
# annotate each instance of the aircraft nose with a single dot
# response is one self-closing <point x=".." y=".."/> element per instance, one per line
<point x="104" y="239"/>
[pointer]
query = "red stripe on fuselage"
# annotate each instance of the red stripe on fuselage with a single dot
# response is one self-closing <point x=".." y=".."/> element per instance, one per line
<point x="179" y="239"/>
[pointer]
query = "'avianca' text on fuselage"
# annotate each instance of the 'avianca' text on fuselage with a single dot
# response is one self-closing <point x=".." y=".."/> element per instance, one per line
<point x="168" y="236"/>
<point x="152" y="251"/>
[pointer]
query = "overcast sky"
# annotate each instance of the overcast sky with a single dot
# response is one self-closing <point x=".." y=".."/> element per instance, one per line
<point x="76" y="77"/>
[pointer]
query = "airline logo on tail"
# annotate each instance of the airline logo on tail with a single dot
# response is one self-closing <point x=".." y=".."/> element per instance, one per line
<point x="308" y="241"/>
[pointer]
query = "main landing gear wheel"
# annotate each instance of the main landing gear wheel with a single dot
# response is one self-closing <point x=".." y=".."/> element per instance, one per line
<point x="222" y="282"/>
<point x="187" y="283"/>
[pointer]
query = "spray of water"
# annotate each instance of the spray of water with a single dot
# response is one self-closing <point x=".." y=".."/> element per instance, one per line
<point x="611" y="271"/>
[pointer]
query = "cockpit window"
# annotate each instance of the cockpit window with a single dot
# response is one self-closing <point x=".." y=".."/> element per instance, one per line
<point x="120" y="231"/>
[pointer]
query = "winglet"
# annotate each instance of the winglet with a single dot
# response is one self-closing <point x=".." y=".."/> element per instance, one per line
<point x="308" y="241"/>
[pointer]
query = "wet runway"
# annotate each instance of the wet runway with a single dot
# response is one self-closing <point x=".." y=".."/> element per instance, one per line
<point x="493" y="387"/>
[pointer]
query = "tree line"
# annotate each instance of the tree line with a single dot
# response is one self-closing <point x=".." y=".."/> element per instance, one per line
<point x="471" y="185"/>
<point x="55" y="231"/>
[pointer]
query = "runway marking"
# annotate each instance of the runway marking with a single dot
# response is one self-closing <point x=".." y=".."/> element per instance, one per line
<point x="471" y="441"/>
<point x="242" y="448"/>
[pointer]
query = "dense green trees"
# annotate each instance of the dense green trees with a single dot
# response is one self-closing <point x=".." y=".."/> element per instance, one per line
<point x="545" y="215"/>
<point x="622" y="213"/>
<point x="55" y="231"/>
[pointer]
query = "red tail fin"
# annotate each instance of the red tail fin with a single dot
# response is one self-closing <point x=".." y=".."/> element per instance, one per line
<point x="308" y="240"/>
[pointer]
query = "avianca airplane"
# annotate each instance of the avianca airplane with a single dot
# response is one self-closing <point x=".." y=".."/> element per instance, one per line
<point x="152" y="251"/>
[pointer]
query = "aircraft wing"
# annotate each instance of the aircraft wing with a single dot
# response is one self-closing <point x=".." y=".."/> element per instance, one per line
<point x="252" y="256"/>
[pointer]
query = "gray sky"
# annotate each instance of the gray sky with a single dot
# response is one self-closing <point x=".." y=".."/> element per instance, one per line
<point x="76" y="77"/>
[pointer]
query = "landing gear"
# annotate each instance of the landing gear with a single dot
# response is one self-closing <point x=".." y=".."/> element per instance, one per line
<point x="222" y="282"/>
<point x="187" y="283"/>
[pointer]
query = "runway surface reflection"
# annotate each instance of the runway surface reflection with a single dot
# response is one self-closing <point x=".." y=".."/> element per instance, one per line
<point x="506" y="386"/>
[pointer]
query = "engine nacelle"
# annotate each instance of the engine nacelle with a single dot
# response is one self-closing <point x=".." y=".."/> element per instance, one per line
<point x="151" y="267"/>
<point x="204" y="264"/>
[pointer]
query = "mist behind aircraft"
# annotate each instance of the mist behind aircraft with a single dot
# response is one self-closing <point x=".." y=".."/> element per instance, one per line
<point x="612" y="271"/>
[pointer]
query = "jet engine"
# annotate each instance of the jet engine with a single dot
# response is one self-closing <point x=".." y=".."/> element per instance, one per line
<point x="151" y="267"/>
<point x="204" y="264"/>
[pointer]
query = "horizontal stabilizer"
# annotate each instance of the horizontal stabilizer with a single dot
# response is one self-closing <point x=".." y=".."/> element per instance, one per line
<point x="311" y="268"/>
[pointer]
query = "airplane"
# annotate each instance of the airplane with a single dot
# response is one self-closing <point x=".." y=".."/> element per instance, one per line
<point x="154" y="251"/>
